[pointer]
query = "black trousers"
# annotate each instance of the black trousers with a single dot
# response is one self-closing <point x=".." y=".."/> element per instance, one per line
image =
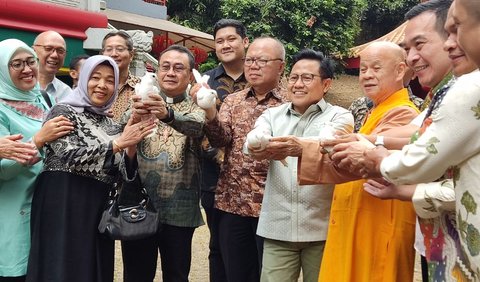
<point x="215" y="260"/>
<point x="175" y="246"/>
<point x="241" y="248"/>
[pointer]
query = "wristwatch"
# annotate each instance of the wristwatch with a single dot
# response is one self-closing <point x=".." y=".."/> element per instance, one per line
<point x="379" y="141"/>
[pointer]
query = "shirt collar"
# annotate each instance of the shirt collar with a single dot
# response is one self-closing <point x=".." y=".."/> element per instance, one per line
<point x="220" y="72"/>
<point x="320" y="106"/>
<point x="53" y="85"/>
<point x="174" y="100"/>
<point x="276" y="92"/>
<point x="132" y="80"/>
<point x="448" y="79"/>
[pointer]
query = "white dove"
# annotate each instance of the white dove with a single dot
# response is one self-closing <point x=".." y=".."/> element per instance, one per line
<point x="327" y="132"/>
<point x="259" y="139"/>
<point x="206" y="98"/>
<point x="148" y="85"/>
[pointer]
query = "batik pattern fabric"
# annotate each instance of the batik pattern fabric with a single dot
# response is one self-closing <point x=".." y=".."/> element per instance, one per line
<point x="169" y="165"/>
<point x="70" y="195"/>
<point x="212" y="157"/>
<point x="435" y="206"/>
<point x="123" y="103"/>
<point x="450" y="143"/>
<point x="84" y="151"/>
<point x="242" y="179"/>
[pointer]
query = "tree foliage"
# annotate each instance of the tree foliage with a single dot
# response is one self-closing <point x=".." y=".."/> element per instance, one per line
<point x="331" y="26"/>
<point x="326" y="25"/>
<point x="382" y="16"/>
<point x="196" y="14"/>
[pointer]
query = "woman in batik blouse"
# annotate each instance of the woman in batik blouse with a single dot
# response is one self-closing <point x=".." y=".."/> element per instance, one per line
<point x="79" y="170"/>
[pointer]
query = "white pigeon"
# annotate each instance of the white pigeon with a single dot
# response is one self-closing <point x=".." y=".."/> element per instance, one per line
<point x="258" y="139"/>
<point x="327" y="132"/>
<point x="148" y="85"/>
<point x="206" y="98"/>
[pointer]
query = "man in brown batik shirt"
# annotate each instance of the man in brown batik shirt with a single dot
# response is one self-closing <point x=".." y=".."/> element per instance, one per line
<point x="242" y="179"/>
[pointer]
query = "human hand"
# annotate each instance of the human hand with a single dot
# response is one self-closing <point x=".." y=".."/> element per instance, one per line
<point x="134" y="133"/>
<point x="339" y="139"/>
<point x="383" y="189"/>
<point x="372" y="160"/>
<point x="285" y="146"/>
<point x="350" y="156"/>
<point x="12" y="148"/>
<point x="52" y="130"/>
<point x="155" y="105"/>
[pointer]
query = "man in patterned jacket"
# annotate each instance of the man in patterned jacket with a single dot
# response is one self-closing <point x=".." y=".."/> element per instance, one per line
<point x="240" y="187"/>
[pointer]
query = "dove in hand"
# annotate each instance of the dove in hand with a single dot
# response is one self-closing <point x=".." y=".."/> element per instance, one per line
<point x="258" y="139"/>
<point x="148" y="85"/>
<point x="206" y="98"/>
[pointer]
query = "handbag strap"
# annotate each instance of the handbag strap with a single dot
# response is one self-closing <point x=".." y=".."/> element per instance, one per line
<point x="47" y="99"/>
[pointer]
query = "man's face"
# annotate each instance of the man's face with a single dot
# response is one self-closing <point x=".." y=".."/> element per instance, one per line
<point x="378" y="74"/>
<point x="116" y="48"/>
<point x="461" y="63"/>
<point x="264" y="51"/>
<point x="424" y="46"/>
<point x="465" y="14"/>
<point x="305" y="85"/>
<point x="229" y="46"/>
<point x="174" y="73"/>
<point x="51" y="52"/>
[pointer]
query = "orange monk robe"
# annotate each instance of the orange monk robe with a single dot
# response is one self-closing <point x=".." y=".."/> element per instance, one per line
<point x="369" y="239"/>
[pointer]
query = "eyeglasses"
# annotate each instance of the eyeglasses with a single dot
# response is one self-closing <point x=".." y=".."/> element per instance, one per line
<point x="19" y="65"/>
<point x="51" y="49"/>
<point x="118" y="49"/>
<point x="260" y="62"/>
<point x="306" y="78"/>
<point x="177" y="68"/>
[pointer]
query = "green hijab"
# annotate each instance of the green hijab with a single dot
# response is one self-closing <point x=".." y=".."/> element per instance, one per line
<point x="8" y="90"/>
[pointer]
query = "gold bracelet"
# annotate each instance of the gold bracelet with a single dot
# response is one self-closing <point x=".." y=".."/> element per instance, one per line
<point x="120" y="149"/>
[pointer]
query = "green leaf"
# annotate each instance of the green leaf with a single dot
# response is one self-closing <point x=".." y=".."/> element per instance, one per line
<point x="473" y="240"/>
<point x="476" y="110"/>
<point x="469" y="203"/>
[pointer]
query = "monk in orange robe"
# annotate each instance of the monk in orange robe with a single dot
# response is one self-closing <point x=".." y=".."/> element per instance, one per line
<point x="369" y="239"/>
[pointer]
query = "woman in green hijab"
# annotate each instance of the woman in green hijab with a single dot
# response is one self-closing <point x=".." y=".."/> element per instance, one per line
<point x="22" y="108"/>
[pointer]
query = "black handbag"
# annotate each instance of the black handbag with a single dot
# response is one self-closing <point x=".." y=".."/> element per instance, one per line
<point x="128" y="222"/>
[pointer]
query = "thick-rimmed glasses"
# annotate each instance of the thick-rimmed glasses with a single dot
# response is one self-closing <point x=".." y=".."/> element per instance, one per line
<point x="260" y="62"/>
<point x="51" y="49"/>
<point x="19" y="65"/>
<point x="306" y="78"/>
